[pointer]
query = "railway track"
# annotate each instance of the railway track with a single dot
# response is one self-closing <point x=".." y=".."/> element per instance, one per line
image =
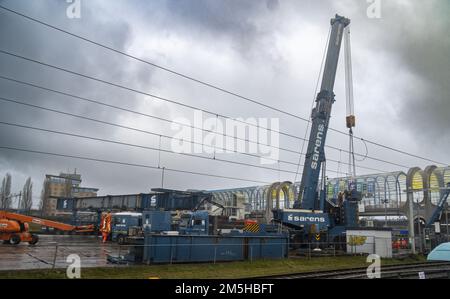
<point x="432" y="270"/>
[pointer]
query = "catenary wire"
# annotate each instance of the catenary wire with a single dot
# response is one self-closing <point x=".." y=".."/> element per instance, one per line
<point x="139" y="146"/>
<point x="129" y="164"/>
<point x="140" y="113"/>
<point x="149" y="132"/>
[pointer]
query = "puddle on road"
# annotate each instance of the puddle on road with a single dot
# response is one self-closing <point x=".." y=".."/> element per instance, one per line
<point x="42" y="255"/>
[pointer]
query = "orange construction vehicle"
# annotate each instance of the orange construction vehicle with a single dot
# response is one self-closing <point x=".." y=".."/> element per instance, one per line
<point x="14" y="228"/>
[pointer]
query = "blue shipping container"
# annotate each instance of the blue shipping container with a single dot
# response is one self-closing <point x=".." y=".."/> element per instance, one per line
<point x="201" y="248"/>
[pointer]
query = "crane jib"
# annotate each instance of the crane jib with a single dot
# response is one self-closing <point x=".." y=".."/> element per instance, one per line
<point x="320" y="116"/>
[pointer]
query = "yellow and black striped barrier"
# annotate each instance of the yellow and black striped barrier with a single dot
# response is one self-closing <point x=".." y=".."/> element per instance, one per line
<point x="251" y="227"/>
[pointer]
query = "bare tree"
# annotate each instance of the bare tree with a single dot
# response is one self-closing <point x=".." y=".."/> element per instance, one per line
<point x="41" y="201"/>
<point x="45" y="193"/>
<point x="27" y="196"/>
<point x="5" y="193"/>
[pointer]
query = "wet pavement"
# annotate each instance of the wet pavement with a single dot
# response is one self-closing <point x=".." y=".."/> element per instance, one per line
<point x="90" y="249"/>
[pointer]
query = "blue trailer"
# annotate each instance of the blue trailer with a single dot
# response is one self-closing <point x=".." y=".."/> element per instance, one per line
<point x="208" y="248"/>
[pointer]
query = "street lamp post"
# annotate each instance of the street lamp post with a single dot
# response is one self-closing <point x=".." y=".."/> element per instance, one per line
<point x="446" y="219"/>
<point x="419" y="229"/>
<point x="410" y="213"/>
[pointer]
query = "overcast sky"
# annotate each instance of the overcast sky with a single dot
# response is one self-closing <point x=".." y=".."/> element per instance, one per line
<point x="267" y="50"/>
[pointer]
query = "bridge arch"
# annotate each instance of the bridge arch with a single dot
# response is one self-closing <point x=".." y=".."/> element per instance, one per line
<point x="434" y="183"/>
<point x="285" y="188"/>
<point x="415" y="184"/>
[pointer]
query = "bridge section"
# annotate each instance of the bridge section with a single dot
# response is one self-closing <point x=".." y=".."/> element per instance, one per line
<point x="383" y="194"/>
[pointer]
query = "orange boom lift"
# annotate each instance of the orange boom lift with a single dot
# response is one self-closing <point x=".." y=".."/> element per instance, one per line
<point x="14" y="228"/>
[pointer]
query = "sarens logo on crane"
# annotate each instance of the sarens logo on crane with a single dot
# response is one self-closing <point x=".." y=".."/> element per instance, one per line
<point x="291" y="217"/>
<point x="317" y="145"/>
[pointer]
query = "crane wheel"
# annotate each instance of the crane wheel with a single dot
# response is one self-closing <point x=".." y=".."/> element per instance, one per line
<point x="14" y="240"/>
<point x="34" y="239"/>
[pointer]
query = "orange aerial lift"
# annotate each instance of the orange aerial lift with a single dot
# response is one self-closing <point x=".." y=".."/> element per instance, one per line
<point x="14" y="228"/>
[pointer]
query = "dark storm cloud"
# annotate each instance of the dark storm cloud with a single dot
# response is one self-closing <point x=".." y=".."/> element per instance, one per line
<point x="414" y="36"/>
<point x="268" y="50"/>
<point x="210" y="20"/>
<point x="29" y="39"/>
<point x="425" y="49"/>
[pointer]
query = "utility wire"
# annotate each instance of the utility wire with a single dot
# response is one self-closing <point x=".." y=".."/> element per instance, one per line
<point x="129" y="164"/>
<point x="140" y="146"/>
<point x="155" y="96"/>
<point x="143" y="93"/>
<point x="129" y="110"/>
<point x="167" y="120"/>
<point x="150" y="63"/>
<point x="205" y="83"/>
<point x="14" y="101"/>
<point x="138" y="113"/>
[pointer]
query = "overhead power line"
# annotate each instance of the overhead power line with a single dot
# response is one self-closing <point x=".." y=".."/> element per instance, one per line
<point x="141" y="146"/>
<point x="106" y="82"/>
<point x="164" y="99"/>
<point x="138" y="113"/>
<point x="152" y="64"/>
<point x="162" y="135"/>
<point x="130" y="164"/>
<point x="76" y="97"/>
<point x="204" y="83"/>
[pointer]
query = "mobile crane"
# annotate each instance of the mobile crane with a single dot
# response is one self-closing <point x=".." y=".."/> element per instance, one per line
<point x="313" y="213"/>
<point x="14" y="228"/>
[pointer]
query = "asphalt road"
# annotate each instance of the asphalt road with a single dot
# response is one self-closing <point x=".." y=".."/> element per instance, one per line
<point x="90" y="249"/>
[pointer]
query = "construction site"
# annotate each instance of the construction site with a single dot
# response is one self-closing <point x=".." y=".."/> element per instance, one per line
<point x="267" y="199"/>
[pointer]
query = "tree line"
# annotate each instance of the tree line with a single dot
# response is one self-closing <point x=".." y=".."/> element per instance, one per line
<point x="25" y="197"/>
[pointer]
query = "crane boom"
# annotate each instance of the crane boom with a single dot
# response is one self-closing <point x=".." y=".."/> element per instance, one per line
<point x="320" y="119"/>
<point x="311" y="219"/>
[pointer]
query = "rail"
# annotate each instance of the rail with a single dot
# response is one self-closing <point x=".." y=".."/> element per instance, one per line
<point x="429" y="269"/>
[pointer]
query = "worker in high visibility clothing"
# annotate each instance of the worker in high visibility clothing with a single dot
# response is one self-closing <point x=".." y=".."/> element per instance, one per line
<point x="105" y="226"/>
